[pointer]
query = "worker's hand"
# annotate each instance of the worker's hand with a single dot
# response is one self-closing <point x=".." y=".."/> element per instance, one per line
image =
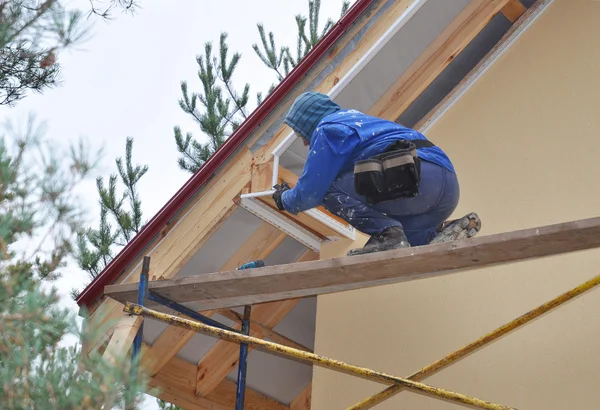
<point x="279" y="190"/>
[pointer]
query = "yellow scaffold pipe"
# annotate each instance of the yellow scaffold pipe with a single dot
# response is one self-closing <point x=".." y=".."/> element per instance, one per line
<point x="321" y="361"/>
<point x="433" y="368"/>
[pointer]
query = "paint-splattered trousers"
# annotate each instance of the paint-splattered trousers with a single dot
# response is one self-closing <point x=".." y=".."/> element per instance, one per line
<point x="419" y="216"/>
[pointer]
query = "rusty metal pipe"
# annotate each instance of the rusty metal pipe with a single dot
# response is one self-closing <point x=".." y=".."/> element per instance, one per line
<point x="321" y="361"/>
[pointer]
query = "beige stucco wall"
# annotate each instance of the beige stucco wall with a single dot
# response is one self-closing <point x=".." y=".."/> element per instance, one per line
<point x="526" y="143"/>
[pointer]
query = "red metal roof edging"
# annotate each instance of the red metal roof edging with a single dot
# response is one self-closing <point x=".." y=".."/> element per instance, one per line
<point x="96" y="288"/>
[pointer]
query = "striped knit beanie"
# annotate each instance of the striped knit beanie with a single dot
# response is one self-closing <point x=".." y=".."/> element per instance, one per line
<point x="307" y="111"/>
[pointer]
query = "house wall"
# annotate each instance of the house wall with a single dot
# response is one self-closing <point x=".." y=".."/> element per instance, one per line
<point x="524" y="140"/>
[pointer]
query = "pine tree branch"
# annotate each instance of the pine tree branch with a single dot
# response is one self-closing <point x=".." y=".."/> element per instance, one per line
<point x="44" y="7"/>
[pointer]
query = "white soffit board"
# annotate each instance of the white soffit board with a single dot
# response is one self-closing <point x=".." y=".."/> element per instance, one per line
<point x="274" y="376"/>
<point x="222" y="244"/>
<point x="399" y="53"/>
<point x="286" y="225"/>
<point x="360" y="64"/>
<point x="278" y="377"/>
<point x="288" y="251"/>
<point x="373" y="75"/>
<point x="200" y="343"/>
<point x="300" y="324"/>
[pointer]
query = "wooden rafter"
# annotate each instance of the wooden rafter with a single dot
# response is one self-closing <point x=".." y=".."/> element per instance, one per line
<point x="261" y="181"/>
<point x="347" y="273"/>
<point x="267" y="331"/>
<point x="222" y="358"/>
<point x="122" y="338"/>
<point x="202" y="219"/>
<point x="303" y="400"/>
<point x="513" y="10"/>
<point x="238" y="168"/>
<point x="177" y="382"/>
<point x="471" y="20"/>
<point x="481" y="67"/>
<point x="259" y="246"/>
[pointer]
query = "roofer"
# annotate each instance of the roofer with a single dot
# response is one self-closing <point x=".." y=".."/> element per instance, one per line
<point x="386" y="180"/>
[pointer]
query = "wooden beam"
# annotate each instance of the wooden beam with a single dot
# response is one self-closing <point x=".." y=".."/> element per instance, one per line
<point x="177" y="381"/>
<point x="261" y="181"/>
<point x="261" y="177"/>
<point x="267" y="331"/>
<point x="222" y="358"/>
<point x="258" y="246"/>
<point x="238" y="167"/>
<point x="295" y="280"/>
<point x="303" y="400"/>
<point x="435" y="58"/>
<point x="513" y="10"/>
<point x="122" y="338"/>
<point x="191" y="233"/>
<point x="481" y="68"/>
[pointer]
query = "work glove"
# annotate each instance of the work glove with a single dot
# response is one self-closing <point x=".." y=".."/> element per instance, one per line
<point x="279" y="190"/>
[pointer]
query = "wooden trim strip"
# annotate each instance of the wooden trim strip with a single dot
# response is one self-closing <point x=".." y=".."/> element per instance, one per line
<point x="442" y="51"/>
<point x="511" y="36"/>
<point x="303" y="400"/>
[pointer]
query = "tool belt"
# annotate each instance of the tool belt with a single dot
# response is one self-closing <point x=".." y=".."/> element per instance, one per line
<point x="393" y="174"/>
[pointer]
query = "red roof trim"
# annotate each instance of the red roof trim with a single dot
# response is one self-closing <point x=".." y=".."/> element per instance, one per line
<point x="96" y="288"/>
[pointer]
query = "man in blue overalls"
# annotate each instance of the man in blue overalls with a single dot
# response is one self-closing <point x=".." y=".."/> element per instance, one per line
<point x="386" y="180"/>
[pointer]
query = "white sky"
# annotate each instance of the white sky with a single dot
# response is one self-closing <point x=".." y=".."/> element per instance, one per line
<point x="125" y="81"/>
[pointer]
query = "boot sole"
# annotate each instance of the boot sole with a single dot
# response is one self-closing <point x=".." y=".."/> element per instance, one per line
<point x="363" y="251"/>
<point x="466" y="227"/>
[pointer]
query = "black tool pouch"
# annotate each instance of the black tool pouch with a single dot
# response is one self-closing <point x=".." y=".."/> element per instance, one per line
<point x="393" y="174"/>
<point x="369" y="178"/>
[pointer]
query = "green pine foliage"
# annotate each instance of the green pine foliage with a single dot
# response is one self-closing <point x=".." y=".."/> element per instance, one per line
<point x="281" y="61"/>
<point x="163" y="405"/>
<point x="104" y="8"/>
<point x="32" y="33"/>
<point x="40" y="215"/>
<point x="120" y="216"/>
<point x="218" y="109"/>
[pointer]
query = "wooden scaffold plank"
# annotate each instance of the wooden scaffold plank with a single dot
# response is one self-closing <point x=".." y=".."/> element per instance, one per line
<point x="271" y="283"/>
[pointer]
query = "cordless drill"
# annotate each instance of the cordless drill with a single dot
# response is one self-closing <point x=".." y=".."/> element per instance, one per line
<point x="250" y="265"/>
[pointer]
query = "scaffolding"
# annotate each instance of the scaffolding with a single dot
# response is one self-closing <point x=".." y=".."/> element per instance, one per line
<point x="414" y="382"/>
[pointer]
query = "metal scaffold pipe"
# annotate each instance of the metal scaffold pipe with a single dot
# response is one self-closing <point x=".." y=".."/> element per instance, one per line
<point x="321" y="361"/>
<point x="433" y="368"/>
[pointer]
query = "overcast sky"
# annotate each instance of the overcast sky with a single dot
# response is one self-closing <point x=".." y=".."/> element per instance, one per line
<point x="125" y="81"/>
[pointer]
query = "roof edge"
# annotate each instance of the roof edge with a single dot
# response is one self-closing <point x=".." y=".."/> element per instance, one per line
<point x="119" y="263"/>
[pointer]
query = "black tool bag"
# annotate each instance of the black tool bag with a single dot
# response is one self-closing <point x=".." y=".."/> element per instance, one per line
<point x="393" y="174"/>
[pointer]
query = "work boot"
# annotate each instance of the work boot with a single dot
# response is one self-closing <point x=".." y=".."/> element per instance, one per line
<point x="390" y="238"/>
<point x="466" y="227"/>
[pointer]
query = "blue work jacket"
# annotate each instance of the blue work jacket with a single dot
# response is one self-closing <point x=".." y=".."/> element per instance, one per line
<point x="341" y="139"/>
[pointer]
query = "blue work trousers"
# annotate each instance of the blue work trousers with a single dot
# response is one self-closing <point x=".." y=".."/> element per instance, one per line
<point x="419" y="216"/>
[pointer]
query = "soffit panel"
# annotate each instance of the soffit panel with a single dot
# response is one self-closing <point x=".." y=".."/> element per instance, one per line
<point x="236" y="230"/>
<point x="399" y="53"/>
